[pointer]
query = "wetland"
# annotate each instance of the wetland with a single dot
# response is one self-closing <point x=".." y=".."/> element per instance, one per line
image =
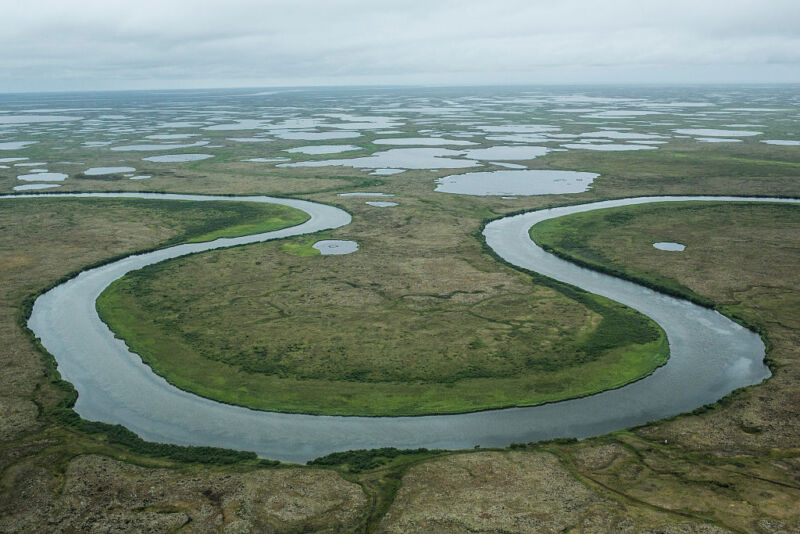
<point x="728" y="466"/>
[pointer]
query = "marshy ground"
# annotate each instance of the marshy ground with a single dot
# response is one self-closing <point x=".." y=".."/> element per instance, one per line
<point x="421" y="320"/>
<point x="734" y="467"/>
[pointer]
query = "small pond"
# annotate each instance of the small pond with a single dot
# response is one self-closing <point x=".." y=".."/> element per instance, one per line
<point x="317" y="136"/>
<point x="516" y="182"/>
<point x="178" y="158"/>
<point x="422" y="141"/>
<point x="29" y="187"/>
<point x="398" y="158"/>
<point x="607" y="147"/>
<point x="335" y="247"/>
<point x="711" y="132"/>
<point x="782" y="142"/>
<point x="314" y="150"/>
<point x="670" y="246"/>
<point x="149" y="148"/>
<point x="43" y="177"/>
<point x="360" y="194"/>
<point x="509" y="153"/>
<point x="101" y="171"/>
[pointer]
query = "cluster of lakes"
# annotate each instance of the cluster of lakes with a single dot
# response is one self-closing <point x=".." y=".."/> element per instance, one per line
<point x="416" y="153"/>
<point x="42" y="175"/>
<point x="420" y="133"/>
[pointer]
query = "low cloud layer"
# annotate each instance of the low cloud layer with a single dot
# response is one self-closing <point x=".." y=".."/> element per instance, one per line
<point x="114" y="44"/>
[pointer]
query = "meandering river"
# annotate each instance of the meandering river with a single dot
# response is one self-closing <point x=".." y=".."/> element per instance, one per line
<point x="710" y="357"/>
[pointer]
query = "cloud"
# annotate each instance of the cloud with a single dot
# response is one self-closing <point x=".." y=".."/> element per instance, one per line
<point x="89" y="44"/>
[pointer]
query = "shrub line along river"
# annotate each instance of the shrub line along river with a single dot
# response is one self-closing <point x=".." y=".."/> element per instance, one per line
<point x="710" y="357"/>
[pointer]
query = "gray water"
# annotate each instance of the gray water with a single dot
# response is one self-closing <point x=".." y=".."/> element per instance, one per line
<point x="335" y="247"/>
<point x="29" y="187"/>
<point x="607" y="147"/>
<point x="516" y="182"/>
<point x="101" y="171"/>
<point x="387" y="172"/>
<point x="506" y="153"/>
<point x="43" y="177"/>
<point x="710" y="356"/>
<point x="421" y="141"/>
<point x="151" y="147"/>
<point x="717" y="140"/>
<point x="178" y="158"/>
<point x="14" y="145"/>
<point x="317" y="136"/>
<point x="398" y="158"/>
<point x="669" y="246"/>
<point x="315" y="150"/>
<point x="782" y="142"/>
<point x="713" y="132"/>
<point x="358" y="194"/>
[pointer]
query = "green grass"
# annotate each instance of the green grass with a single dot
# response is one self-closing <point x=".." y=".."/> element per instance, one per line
<point x="583" y="239"/>
<point x="286" y="218"/>
<point x="124" y="220"/>
<point x="273" y="329"/>
<point x="189" y="221"/>
<point x="763" y="295"/>
<point x="618" y="241"/>
<point x="573" y="238"/>
<point x="302" y="247"/>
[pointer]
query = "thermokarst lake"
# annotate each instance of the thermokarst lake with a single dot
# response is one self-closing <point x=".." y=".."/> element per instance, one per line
<point x="516" y="182"/>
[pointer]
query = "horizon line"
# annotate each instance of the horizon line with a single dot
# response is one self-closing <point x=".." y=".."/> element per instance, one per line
<point x="285" y="88"/>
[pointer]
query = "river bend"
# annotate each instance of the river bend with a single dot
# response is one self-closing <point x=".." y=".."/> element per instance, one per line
<point x="710" y="356"/>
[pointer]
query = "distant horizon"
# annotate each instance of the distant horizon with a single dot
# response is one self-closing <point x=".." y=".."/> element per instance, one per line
<point x="282" y="88"/>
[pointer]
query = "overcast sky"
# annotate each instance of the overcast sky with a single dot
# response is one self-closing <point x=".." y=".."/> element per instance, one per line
<point x="53" y="45"/>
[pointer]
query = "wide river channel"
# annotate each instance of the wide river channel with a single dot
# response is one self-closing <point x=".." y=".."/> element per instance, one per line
<point x="710" y="357"/>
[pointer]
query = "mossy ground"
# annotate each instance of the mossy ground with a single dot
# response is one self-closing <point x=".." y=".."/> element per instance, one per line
<point x="734" y="467"/>
<point x="269" y="327"/>
<point x="731" y="467"/>
<point x="717" y="235"/>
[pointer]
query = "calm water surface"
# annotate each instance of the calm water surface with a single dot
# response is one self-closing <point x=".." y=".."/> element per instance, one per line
<point x="516" y="182"/>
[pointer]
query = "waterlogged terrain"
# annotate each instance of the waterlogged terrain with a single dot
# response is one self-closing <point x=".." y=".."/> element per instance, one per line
<point x="408" y="133"/>
<point x="63" y="318"/>
<point x="423" y="259"/>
